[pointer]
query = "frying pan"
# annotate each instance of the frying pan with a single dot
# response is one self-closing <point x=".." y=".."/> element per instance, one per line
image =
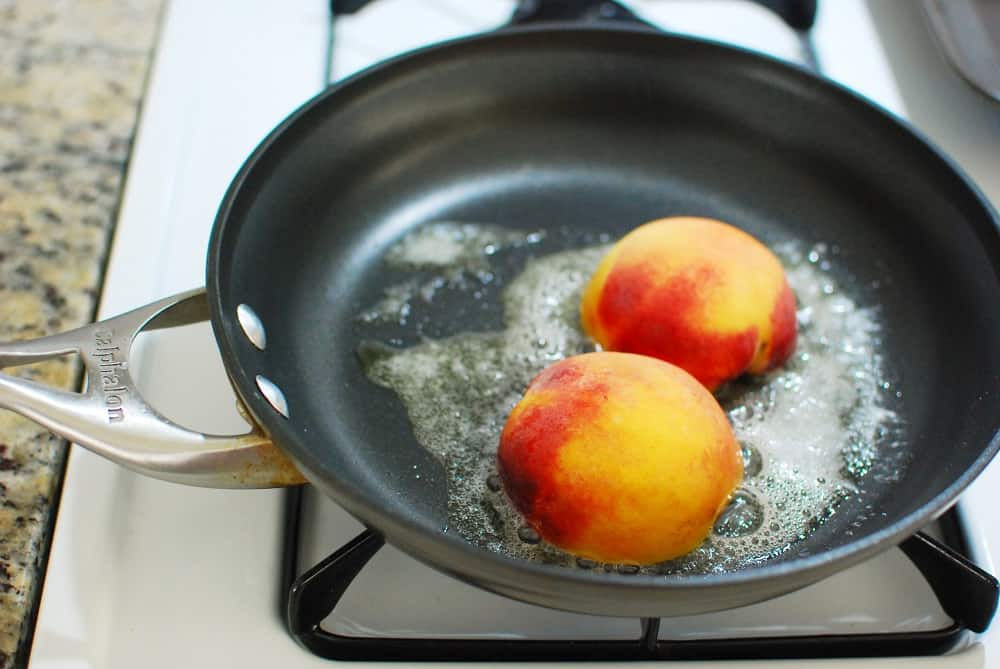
<point x="600" y="128"/>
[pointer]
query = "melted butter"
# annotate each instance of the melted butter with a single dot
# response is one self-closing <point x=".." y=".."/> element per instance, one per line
<point x="816" y="426"/>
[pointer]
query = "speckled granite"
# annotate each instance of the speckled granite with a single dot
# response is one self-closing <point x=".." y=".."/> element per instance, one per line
<point x="71" y="77"/>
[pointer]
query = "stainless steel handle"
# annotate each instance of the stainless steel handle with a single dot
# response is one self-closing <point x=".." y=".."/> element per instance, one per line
<point x="111" y="418"/>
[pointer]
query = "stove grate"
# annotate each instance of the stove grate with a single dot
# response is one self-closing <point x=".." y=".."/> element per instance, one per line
<point x="966" y="593"/>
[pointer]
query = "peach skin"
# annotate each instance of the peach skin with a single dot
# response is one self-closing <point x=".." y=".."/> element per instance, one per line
<point x="619" y="458"/>
<point x="695" y="292"/>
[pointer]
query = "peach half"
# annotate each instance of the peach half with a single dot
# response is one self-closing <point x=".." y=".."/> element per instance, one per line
<point x="696" y="292"/>
<point x="619" y="458"/>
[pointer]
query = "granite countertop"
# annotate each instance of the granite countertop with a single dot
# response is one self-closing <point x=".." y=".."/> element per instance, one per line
<point x="72" y="74"/>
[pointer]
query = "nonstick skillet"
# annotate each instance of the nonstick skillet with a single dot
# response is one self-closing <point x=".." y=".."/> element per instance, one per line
<point x="596" y="127"/>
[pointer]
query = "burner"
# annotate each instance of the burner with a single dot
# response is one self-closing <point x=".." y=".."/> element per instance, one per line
<point x="798" y="14"/>
<point x="312" y="596"/>
<point x="314" y="589"/>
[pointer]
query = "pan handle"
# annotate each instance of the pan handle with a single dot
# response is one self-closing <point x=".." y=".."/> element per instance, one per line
<point x="966" y="593"/>
<point x="112" y="419"/>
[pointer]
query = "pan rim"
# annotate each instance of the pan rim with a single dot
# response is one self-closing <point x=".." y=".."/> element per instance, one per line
<point x="488" y="568"/>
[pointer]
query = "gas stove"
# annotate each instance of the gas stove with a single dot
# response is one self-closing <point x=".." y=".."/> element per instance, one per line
<point x="147" y="573"/>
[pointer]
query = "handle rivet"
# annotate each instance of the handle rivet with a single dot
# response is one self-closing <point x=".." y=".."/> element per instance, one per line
<point x="251" y="325"/>
<point x="273" y="395"/>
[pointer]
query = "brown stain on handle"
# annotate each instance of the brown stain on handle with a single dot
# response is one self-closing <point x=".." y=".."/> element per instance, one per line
<point x="272" y="468"/>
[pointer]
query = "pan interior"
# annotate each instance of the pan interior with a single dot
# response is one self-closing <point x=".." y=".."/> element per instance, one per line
<point x="596" y="132"/>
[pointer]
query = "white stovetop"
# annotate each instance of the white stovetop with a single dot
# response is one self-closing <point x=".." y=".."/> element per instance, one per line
<point x="151" y="574"/>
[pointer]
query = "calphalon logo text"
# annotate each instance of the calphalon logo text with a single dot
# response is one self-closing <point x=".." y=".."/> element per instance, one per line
<point x="109" y="370"/>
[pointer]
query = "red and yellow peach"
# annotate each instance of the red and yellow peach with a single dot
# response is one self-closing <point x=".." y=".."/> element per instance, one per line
<point x="619" y="458"/>
<point x="694" y="292"/>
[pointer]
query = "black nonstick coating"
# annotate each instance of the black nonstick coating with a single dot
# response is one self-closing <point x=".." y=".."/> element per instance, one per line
<point x="600" y="129"/>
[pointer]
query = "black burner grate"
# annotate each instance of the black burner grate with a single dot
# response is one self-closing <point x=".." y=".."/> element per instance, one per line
<point x="966" y="594"/>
